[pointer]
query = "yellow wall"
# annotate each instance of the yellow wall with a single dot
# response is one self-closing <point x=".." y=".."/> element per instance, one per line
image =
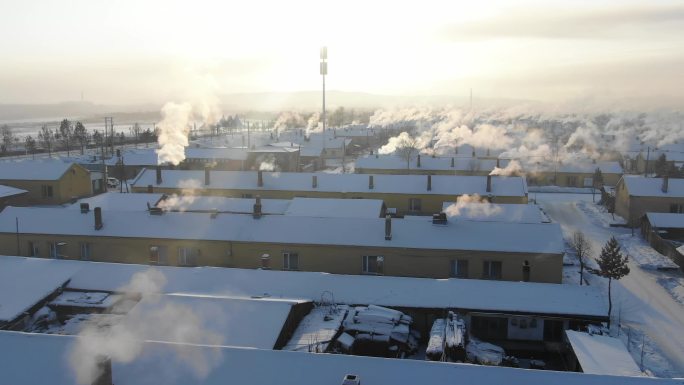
<point x="327" y="258"/>
<point x="633" y="208"/>
<point x="562" y="178"/>
<point x="420" y="171"/>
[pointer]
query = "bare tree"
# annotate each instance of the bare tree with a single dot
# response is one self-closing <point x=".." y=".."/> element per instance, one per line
<point x="65" y="134"/>
<point x="582" y="248"/>
<point x="406" y="148"/>
<point x="30" y="145"/>
<point x="7" y="138"/>
<point x="47" y="138"/>
<point x="135" y="133"/>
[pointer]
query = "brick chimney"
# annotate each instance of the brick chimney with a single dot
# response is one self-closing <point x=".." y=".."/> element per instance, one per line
<point x="257" y="208"/>
<point x="666" y="183"/>
<point x="418" y="161"/>
<point x="314" y="181"/>
<point x="98" y="218"/>
<point x="260" y="178"/>
<point x="159" y="175"/>
<point x="207" y="176"/>
<point x="489" y="183"/>
<point x="370" y="182"/>
<point x="429" y="182"/>
<point x="388" y="228"/>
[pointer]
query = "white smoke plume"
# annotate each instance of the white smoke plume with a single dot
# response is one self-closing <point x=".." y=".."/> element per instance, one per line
<point x="268" y="163"/>
<point x="472" y="206"/>
<point x="176" y="202"/>
<point x="124" y="341"/>
<point x="289" y="119"/>
<point x="405" y="140"/>
<point x="173" y="133"/>
<point x="314" y="124"/>
<point x="513" y="168"/>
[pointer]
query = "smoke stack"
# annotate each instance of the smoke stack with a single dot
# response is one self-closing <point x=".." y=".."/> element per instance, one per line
<point x="497" y="162"/>
<point x="260" y="178"/>
<point x="104" y="366"/>
<point x="207" y="176"/>
<point x="314" y="181"/>
<point x="489" y="183"/>
<point x="453" y="162"/>
<point x="98" y="218"/>
<point x="85" y="208"/>
<point x="150" y="189"/>
<point x="370" y="182"/>
<point x="159" y="175"/>
<point x="418" y="161"/>
<point x="257" y="208"/>
<point x="666" y="183"/>
<point x="388" y="228"/>
<point x="429" y="183"/>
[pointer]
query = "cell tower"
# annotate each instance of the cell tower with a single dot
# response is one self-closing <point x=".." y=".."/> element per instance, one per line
<point x="324" y="71"/>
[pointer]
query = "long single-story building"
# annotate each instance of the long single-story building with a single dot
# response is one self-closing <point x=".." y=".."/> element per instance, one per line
<point x="570" y="174"/>
<point x="47" y="182"/>
<point x="637" y="195"/>
<point x="408" y="194"/>
<point x="400" y="247"/>
<point x="424" y="165"/>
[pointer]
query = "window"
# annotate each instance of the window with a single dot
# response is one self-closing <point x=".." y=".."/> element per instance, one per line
<point x="373" y="264"/>
<point x="676" y="208"/>
<point x="247" y="196"/>
<point x="158" y="255"/>
<point x="46" y="191"/>
<point x="459" y="268"/>
<point x="414" y="204"/>
<point x="266" y="262"/>
<point x="85" y="251"/>
<point x="290" y="261"/>
<point x="57" y="249"/>
<point x="33" y="249"/>
<point x="572" y="181"/>
<point x="53" y="249"/>
<point x="491" y="270"/>
<point x="187" y="256"/>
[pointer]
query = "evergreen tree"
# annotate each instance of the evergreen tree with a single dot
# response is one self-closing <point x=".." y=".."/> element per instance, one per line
<point x="81" y="135"/>
<point x="661" y="166"/>
<point x="65" y="134"/>
<point x="612" y="265"/>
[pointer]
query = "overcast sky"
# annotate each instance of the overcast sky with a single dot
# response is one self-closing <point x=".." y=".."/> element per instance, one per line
<point x="158" y="50"/>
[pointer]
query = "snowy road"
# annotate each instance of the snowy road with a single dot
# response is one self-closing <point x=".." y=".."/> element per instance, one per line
<point x="640" y="300"/>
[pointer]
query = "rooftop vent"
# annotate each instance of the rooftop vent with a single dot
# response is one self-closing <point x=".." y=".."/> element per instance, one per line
<point x="260" y="178"/>
<point x="388" y="228"/>
<point x="666" y="184"/>
<point x="85" y="208"/>
<point x="429" y="182"/>
<point x="351" y="379"/>
<point x="370" y="182"/>
<point x="150" y="189"/>
<point x="439" y="219"/>
<point x="98" y="218"/>
<point x="453" y="162"/>
<point x="418" y="161"/>
<point x="257" y="208"/>
<point x="489" y="183"/>
<point x="314" y="181"/>
<point x="159" y="175"/>
<point x="207" y="176"/>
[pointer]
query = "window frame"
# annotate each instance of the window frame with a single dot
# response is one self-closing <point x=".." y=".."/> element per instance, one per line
<point x="85" y="249"/>
<point x="487" y="270"/>
<point x="456" y="269"/>
<point x="412" y="205"/>
<point x="287" y="260"/>
<point x="379" y="262"/>
<point x="160" y="255"/>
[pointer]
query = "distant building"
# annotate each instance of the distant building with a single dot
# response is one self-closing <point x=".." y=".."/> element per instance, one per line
<point x="47" y="182"/>
<point x="424" y="165"/>
<point x="11" y="196"/>
<point x="571" y="174"/>
<point x="637" y="195"/>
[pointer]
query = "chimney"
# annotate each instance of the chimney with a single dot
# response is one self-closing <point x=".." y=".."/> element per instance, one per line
<point x="257" y="208"/>
<point x="159" y="175"/>
<point x="150" y="189"/>
<point x="429" y="185"/>
<point x="260" y="178"/>
<point x="98" y="218"/>
<point x="439" y="219"/>
<point x="489" y="183"/>
<point x="497" y="163"/>
<point x="388" y="228"/>
<point x="666" y="183"/>
<point x="453" y="162"/>
<point x="104" y="369"/>
<point x="370" y="182"/>
<point x="118" y="153"/>
<point x="314" y="181"/>
<point x="85" y="208"/>
<point x="418" y="161"/>
<point x="351" y="379"/>
<point x="207" y="176"/>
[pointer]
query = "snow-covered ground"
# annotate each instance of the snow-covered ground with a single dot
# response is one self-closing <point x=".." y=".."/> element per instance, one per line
<point x="648" y="302"/>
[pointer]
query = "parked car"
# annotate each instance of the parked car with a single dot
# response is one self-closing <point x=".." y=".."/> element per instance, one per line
<point x="112" y="182"/>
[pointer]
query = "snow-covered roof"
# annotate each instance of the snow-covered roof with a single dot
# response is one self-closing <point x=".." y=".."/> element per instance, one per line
<point x="666" y="220"/>
<point x="301" y="181"/>
<point x="119" y="202"/>
<point x="467" y="294"/>
<point x="26" y="281"/>
<point x="340" y="208"/>
<point x="369" y="232"/>
<point x="245" y="322"/>
<point x="579" y="167"/>
<point x="160" y="362"/>
<point x="8" y="191"/>
<point x="599" y="354"/>
<point x="653" y="187"/>
<point x="33" y="170"/>
<point x="148" y="157"/>
<point x="394" y="162"/>
<point x="223" y="204"/>
<point x="495" y="212"/>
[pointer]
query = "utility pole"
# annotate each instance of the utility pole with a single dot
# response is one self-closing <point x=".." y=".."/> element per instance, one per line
<point x="324" y="71"/>
<point x="248" y="140"/>
<point x="109" y="133"/>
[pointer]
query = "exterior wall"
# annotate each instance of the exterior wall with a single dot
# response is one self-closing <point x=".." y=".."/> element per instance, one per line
<point x="75" y="183"/>
<point x="622" y="201"/>
<point x="563" y="179"/>
<point x="420" y="171"/>
<point x="430" y="203"/>
<point x="326" y="258"/>
<point x="634" y="208"/>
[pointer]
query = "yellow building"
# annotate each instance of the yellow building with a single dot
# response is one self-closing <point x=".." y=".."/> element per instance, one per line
<point x="571" y="174"/>
<point x="424" y="165"/>
<point x="398" y="247"/>
<point x="637" y="195"/>
<point x="407" y="194"/>
<point x="47" y="182"/>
